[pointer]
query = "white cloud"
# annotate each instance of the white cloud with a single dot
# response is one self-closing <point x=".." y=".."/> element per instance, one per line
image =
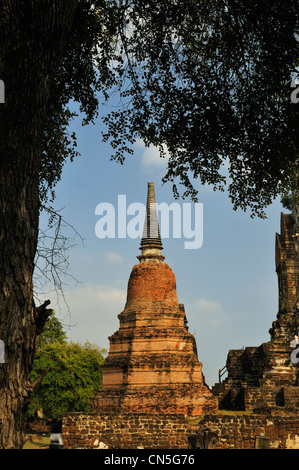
<point x="151" y="159"/>
<point x="93" y="312"/>
<point x="207" y="312"/>
<point x="114" y="257"/>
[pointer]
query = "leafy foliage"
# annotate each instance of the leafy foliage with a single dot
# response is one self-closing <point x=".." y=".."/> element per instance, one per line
<point x="287" y="201"/>
<point x="52" y="332"/>
<point x="83" y="74"/>
<point x="74" y="377"/>
<point x="207" y="80"/>
<point x="211" y="82"/>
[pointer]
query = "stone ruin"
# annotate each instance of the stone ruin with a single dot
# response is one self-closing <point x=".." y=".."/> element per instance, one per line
<point x="153" y="381"/>
<point x="266" y="377"/>
<point x="152" y="365"/>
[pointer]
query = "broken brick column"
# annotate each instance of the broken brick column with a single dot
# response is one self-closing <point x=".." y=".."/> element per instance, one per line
<point x="266" y="376"/>
<point x="287" y="268"/>
<point x="278" y="367"/>
<point x="152" y="365"/>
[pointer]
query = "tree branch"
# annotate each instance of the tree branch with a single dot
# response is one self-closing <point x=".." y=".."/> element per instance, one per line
<point x="42" y="314"/>
<point x="39" y="379"/>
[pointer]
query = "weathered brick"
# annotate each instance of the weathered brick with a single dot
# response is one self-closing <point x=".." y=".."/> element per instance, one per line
<point x="131" y="435"/>
<point x="264" y="377"/>
<point x="153" y="346"/>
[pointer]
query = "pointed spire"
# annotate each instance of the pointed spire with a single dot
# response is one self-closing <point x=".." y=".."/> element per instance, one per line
<point x="151" y="231"/>
<point x="151" y="244"/>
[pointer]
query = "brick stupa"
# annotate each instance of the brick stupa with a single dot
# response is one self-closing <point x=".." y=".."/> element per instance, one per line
<point x="152" y="365"/>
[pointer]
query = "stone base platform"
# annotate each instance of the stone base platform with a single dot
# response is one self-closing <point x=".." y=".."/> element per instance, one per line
<point x="186" y="399"/>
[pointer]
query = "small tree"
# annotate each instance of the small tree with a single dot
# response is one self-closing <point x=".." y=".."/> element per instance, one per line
<point x="73" y="375"/>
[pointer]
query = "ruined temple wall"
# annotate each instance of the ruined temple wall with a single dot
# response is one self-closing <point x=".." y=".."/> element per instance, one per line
<point x="148" y="431"/>
<point x="124" y="431"/>
<point x="287" y="269"/>
<point x="283" y="397"/>
<point x="266" y="375"/>
<point x="245" y="364"/>
<point x="242" y="432"/>
<point x="263" y="397"/>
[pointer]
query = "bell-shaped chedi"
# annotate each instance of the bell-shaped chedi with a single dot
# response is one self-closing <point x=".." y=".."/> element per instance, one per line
<point x="152" y="365"/>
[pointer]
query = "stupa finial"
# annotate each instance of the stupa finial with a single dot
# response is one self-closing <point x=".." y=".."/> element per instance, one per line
<point x="151" y="244"/>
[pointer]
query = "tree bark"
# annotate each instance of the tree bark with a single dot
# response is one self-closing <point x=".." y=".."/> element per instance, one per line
<point x="33" y="36"/>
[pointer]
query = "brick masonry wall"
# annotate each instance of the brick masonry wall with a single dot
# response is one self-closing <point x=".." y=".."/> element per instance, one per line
<point x="262" y="397"/>
<point x="240" y="432"/>
<point x="124" y="431"/>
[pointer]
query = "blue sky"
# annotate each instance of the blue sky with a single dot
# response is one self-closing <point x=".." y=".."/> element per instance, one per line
<point x="228" y="285"/>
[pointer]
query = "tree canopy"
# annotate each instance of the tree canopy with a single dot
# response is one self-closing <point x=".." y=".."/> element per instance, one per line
<point x="74" y="375"/>
<point x="208" y="82"/>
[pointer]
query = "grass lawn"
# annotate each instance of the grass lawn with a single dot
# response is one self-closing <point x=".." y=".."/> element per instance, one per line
<point x="36" y="442"/>
<point x="229" y="412"/>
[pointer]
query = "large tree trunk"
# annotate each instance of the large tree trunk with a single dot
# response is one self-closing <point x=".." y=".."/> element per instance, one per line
<point x="33" y="36"/>
<point x="19" y="227"/>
